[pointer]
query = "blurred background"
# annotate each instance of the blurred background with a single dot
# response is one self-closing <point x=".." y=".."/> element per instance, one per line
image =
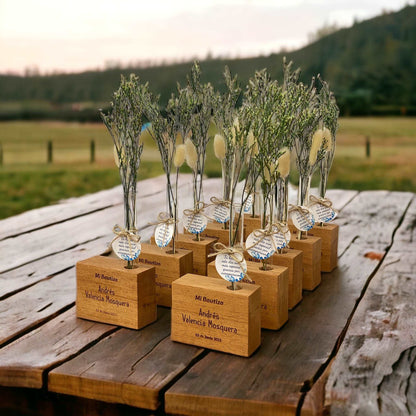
<point x="61" y="61"/>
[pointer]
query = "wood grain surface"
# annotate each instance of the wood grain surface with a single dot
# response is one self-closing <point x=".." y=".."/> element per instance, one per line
<point x="129" y="367"/>
<point x="101" y="370"/>
<point x="373" y="373"/>
<point x="24" y="362"/>
<point x="275" y="379"/>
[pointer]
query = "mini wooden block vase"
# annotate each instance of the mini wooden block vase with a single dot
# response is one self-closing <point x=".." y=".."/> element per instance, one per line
<point x="168" y="267"/>
<point x="293" y="260"/>
<point x="329" y="233"/>
<point x="201" y="249"/>
<point x="251" y="224"/>
<point x="216" y="230"/>
<point x="208" y="314"/>
<point x="108" y="292"/>
<point x="311" y="247"/>
<point x="274" y="292"/>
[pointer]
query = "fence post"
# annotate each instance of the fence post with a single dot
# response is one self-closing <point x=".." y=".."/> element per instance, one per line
<point x="367" y="146"/>
<point x="49" y="151"/>
<point x="92" y="151"/>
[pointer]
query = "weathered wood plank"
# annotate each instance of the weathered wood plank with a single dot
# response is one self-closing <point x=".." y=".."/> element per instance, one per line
<point x="23" y="363"/>
<point x="129" y="367"/>
<point x="374" y="371"/>
<point x="271" y="381"/>
<point x="32" y="402"/>
<point x="63" y="210"/>
<point x="340" y="197"/>
<point x="366" y="213"/>
<point x="34" y="245"/>
<point x="38" y="303"/>
<point x="74" y="207"/>
<point x="31" y="273"/>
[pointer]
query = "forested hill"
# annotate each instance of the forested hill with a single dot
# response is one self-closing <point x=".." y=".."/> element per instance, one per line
<point x="371" y="66"/>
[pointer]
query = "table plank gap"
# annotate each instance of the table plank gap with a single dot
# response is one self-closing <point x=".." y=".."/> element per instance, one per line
<point x="25" y="362"/>
<point x="307" y="340"/>
<point x="32" y="307"/>
<point x="59" y="237"/>
<point x="375" y="362"/>
<point x="71" y="208"/>
<point x="142" y="366"/>
<point x="27" y="275"/>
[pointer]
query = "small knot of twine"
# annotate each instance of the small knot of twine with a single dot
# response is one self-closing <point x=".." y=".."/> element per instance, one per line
<point x="129" y="234"/>
<point x="236" y="253"/>
<point x="282" y="228"/>
<point x="322" y="201"/>
<point x="302" y="210"/>
<point x="164" y="218"/>
<point x="217" y="201"/>
<point x="261" y="235"/>
<point x="199" y="209"/>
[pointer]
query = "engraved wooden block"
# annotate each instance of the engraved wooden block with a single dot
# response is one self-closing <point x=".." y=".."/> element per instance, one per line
<point x="251" y="224"/>
<point x="311" y="247"/>
<point x="108" y="292"/>
<point x="293" y="260"/>
<point x="216" y="230"/>
<point x="201" y="249"/>
<point x="329" y="234"/>
<point x="208" y="314"/>
<point x="168" y="267"/>
<point x="274" y="292"/>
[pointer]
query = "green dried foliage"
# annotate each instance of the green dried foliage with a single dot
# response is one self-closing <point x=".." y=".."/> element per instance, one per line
<point x="225" y="115"/>
<point x="329" y="113"/>
<point x="124" y="123"/>
<point x="196" y="102"/>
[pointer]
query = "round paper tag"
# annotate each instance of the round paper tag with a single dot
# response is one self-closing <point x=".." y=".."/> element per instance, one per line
<point x="163" y="234"/>
<point x="195" y="223"/>
<point x="249" y="203"/>
<point x="303" y="222"/>
<point x="322" y="213"/>
<point x="281" y="239"/>
<point x="260" y="247"/>
<point x="221" y="213"/>
<point x="229" y="269"/>
<point x="121" y="248"/>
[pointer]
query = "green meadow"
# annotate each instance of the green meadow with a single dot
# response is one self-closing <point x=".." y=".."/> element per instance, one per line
<point x="27" y="181"/>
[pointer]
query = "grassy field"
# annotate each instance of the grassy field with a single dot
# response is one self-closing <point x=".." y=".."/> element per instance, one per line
<point x="27" y="181"/>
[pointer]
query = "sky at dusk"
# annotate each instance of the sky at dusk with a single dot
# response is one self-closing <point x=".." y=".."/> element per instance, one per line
<point x="54" y="35"/>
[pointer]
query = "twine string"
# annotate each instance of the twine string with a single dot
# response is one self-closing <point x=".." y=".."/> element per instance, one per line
<point x="303" y="211"/>
<point x="199" y="209"/>
<point x="322" y="201"/>
<point x="236" y="253"/>
<point x="131" y="235"/>
<point x="217" y="201"/>
<point x="261" y="235"/>
<point x="282" y="228"/>
<point x="164" y="218"/>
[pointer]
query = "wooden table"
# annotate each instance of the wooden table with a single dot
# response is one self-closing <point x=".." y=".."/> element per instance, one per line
<point x="348" y="348"/>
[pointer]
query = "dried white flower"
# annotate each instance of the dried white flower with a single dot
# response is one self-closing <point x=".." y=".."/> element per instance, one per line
<point x="284" y="163"/>
<point x="219" y="147"/>
<point x="328" y="137"/>
<point x="179" y="156"/>
<point x="317" y="140"/>
<point x="191" y="155"/>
